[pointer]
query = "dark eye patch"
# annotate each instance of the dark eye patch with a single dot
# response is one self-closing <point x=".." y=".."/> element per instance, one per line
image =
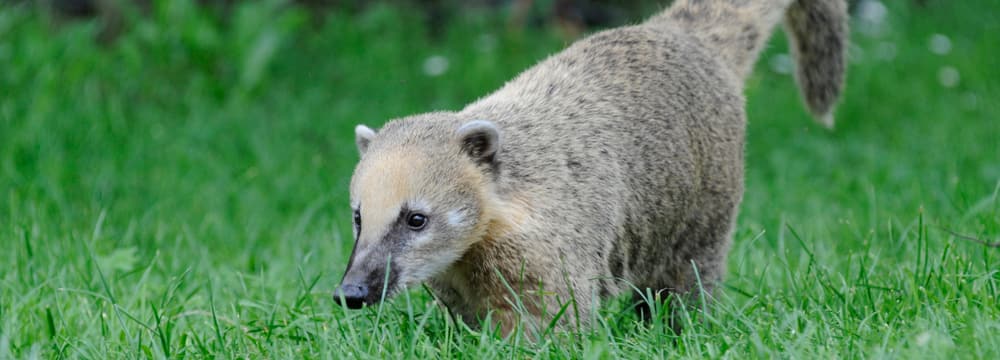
<point x="357" y="222"/>
<point x="412" y="219"/>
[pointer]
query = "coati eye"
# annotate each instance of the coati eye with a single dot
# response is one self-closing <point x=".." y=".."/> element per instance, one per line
<point x="416" y="221"/>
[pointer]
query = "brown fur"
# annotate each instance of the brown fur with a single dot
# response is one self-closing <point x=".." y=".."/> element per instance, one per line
<point x="616" y="164"/>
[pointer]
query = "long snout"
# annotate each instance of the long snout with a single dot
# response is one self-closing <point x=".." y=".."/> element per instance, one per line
<point x="366" y="284"/>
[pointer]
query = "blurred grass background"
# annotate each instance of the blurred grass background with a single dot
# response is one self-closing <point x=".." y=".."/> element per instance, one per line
<point x="173" y="183"/>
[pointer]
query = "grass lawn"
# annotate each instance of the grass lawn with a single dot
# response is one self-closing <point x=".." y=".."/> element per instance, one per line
<point x="182" y="192"/>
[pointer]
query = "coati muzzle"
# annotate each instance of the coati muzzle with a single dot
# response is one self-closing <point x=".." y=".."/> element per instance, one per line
<point x="366" y="285"/>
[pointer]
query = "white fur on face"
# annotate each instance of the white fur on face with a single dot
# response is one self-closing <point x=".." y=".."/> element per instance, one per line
<point x="428" y="267"/>
<point x="420" y="239"/>
<point x="455" y="218"/>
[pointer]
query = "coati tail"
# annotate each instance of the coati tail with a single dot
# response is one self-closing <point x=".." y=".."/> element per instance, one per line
<point x="738" y="29"/>
<point x="818" y="33"/>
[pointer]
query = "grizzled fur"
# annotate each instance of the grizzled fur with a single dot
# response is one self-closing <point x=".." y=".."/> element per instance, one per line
<point x="615" y="163"/>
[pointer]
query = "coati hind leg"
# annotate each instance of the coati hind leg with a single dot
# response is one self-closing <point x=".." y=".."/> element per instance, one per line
<point x="691" y="296"/>
<point x="697" y="264"/>
<point x="674" y="302"/>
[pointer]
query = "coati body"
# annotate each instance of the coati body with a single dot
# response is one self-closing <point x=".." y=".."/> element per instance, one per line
<point x="614" y="165"/>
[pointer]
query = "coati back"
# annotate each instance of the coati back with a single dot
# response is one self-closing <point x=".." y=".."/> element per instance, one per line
<point x="614" y="165"/>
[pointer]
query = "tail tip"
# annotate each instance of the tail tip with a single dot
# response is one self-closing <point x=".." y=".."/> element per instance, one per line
<point x="826" y="120"/>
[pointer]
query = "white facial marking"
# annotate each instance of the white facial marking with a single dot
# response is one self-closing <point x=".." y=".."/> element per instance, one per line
<point x="429" y="268"/>
<point x="455" y="218"/>
<point x="420" y="239"/>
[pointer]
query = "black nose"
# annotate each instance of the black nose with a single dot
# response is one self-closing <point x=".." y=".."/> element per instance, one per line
<point x="351" y="295"/>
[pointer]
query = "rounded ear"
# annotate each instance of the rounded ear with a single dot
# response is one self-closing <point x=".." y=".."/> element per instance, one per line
<point x="480" y="139"/>
<point x="363" y="136"/>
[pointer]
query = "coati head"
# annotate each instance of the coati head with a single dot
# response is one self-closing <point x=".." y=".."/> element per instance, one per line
<point x="420" y="196"/>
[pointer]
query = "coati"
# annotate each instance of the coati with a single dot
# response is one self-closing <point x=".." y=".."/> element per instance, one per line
<point x="614" y="165"/>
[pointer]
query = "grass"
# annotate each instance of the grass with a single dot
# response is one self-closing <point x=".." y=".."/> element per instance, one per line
<point x="182" y="192"/>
